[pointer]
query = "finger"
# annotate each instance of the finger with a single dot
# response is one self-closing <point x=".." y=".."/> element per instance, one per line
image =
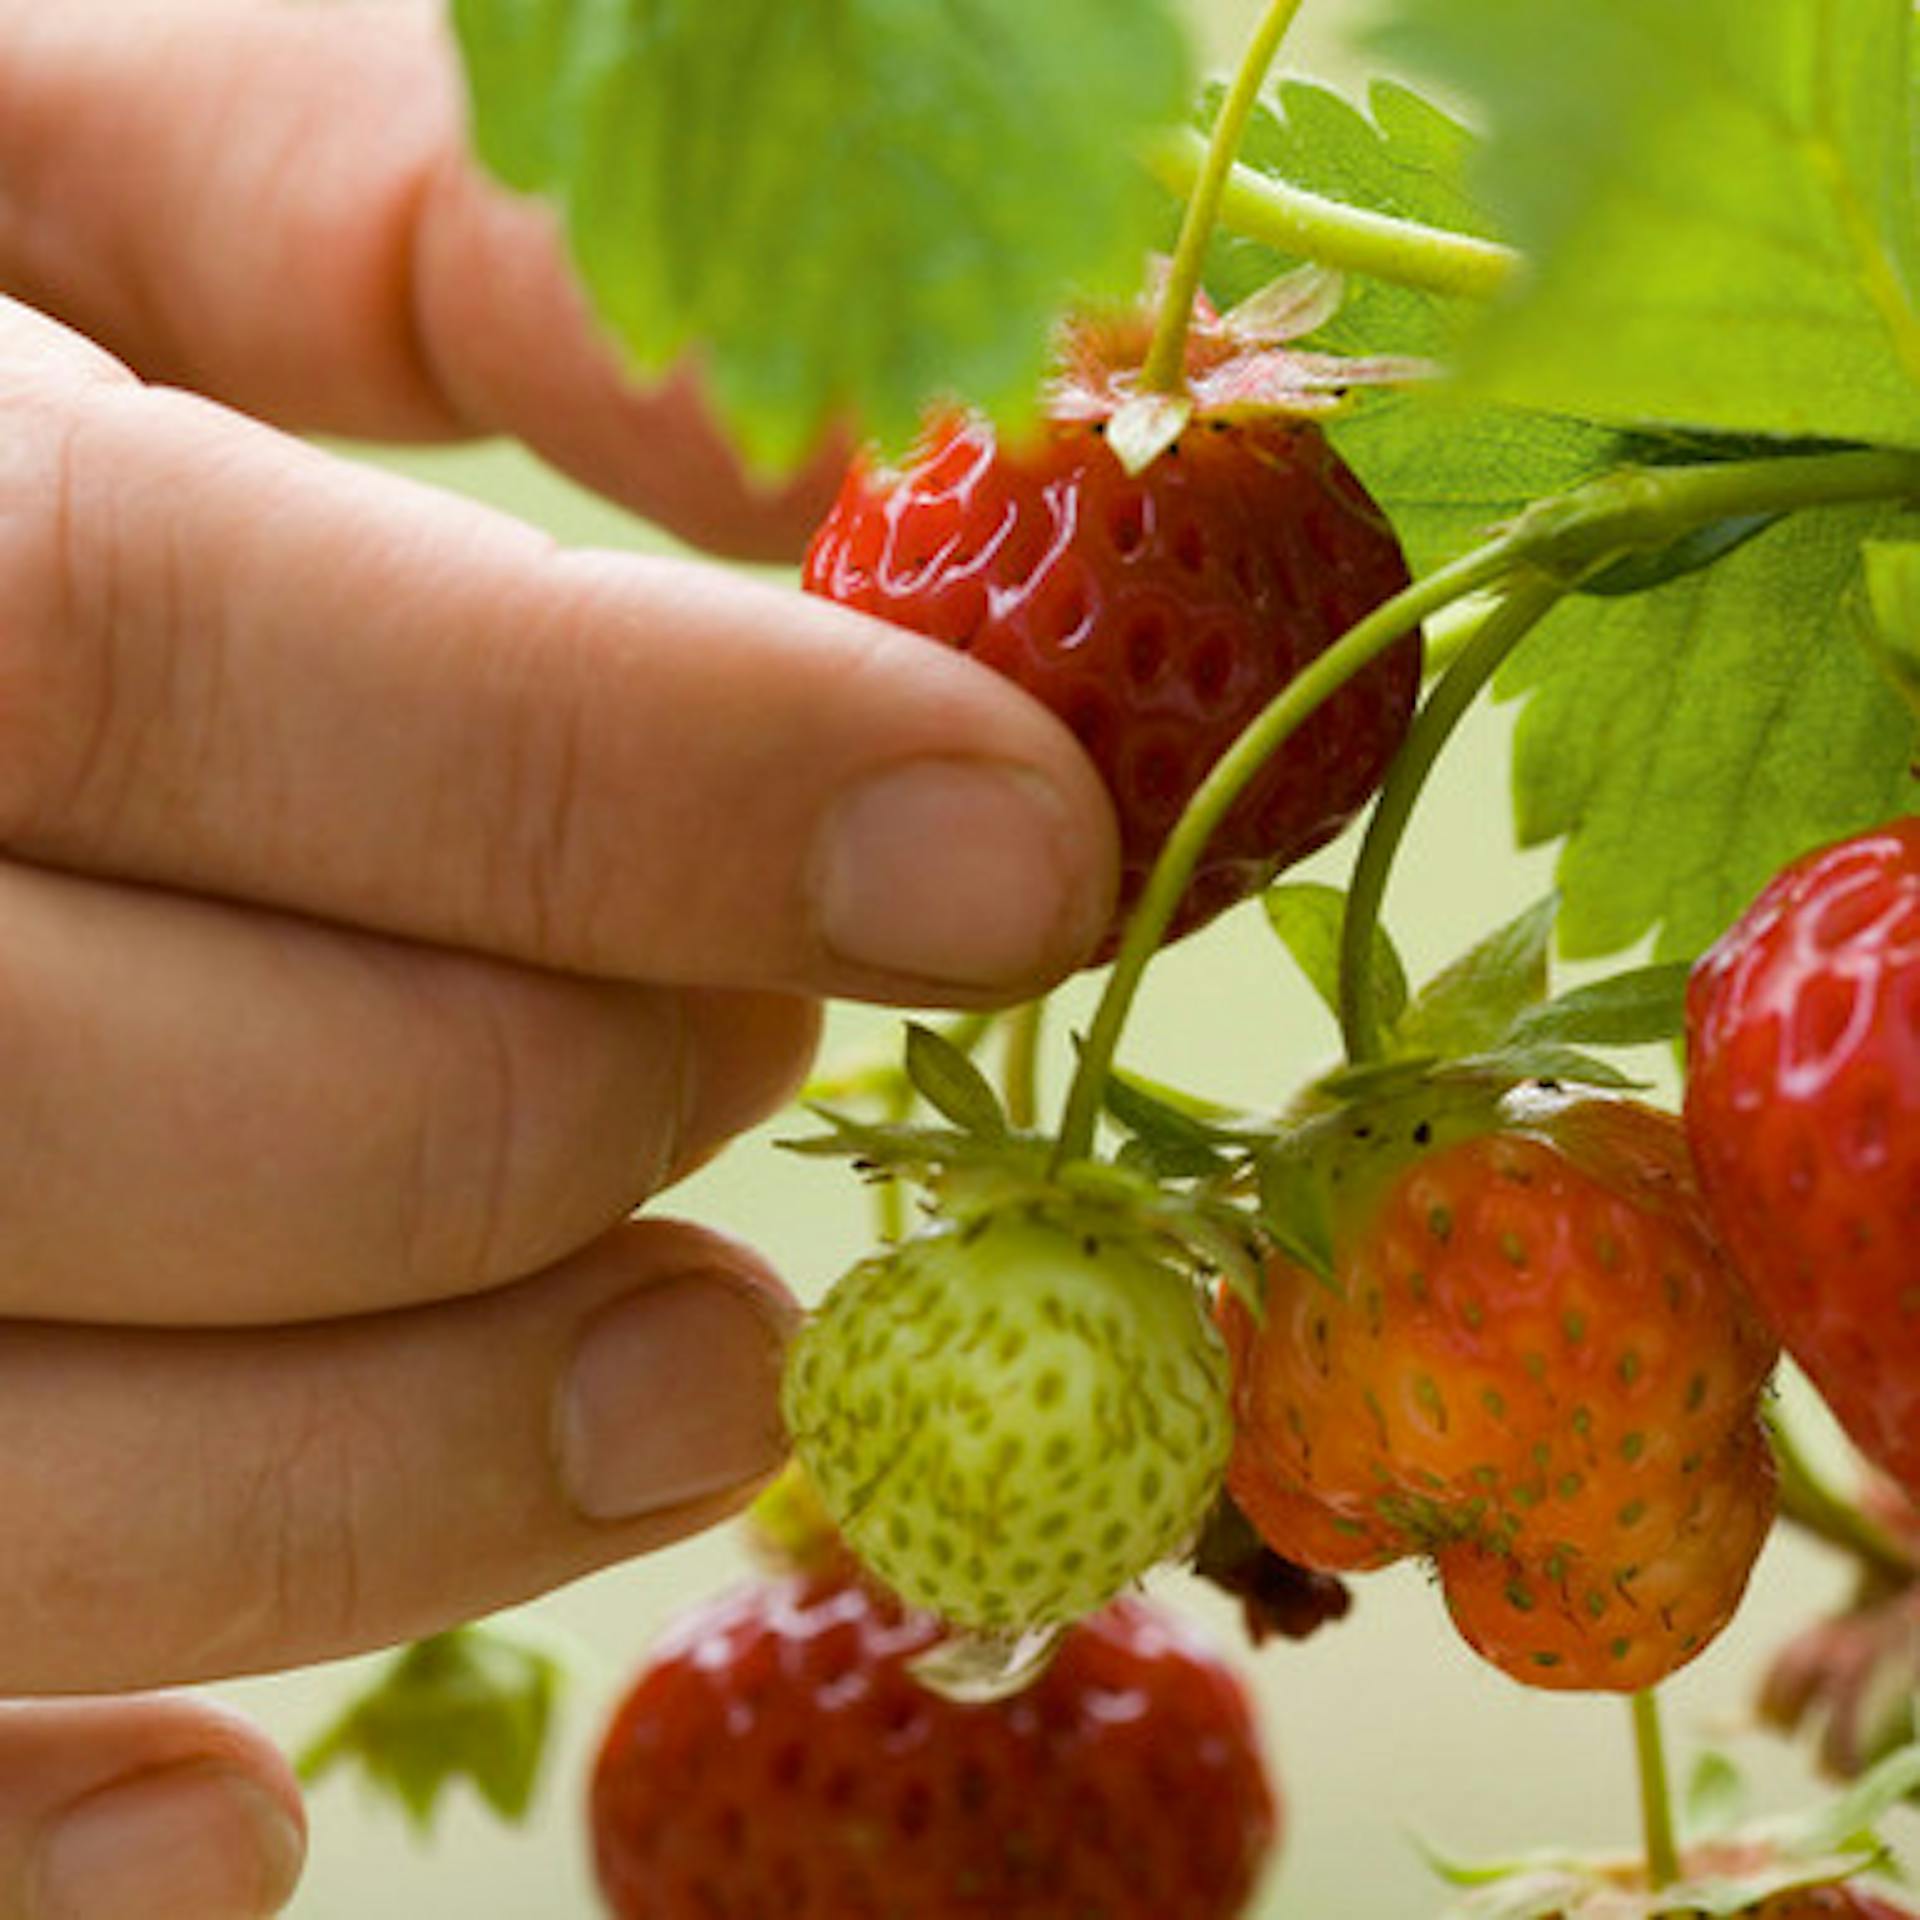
<point x="333" y="261"/>
<point x="163" y="1808"/>
<point x="217" y="1116"/>
<point x="233" y="665"/>
<point x="180" y="1506"/>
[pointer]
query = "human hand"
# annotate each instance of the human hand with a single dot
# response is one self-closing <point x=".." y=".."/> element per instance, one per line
<point x="389" y="903"/>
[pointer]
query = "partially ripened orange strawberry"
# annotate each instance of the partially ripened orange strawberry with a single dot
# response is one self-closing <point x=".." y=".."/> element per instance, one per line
<point x="1528" y="1362"/>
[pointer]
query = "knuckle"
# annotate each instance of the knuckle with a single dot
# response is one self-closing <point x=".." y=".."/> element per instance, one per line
<point x="543" y="875"/>
<point x="461" y="1176"/>
<point x="54" y="684"/>
<point x="303" y="1514"/>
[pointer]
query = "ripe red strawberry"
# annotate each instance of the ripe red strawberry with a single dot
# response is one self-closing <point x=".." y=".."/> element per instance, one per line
<point x="1531" y="1364"/>
<point x="1803" y="1106"/>
<point x="778" y="1757"/>
<point x="1156" y="613"/>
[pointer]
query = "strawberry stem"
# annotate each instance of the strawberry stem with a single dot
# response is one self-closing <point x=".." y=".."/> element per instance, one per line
<point x="1816" y="1508"/>
<point x="1311" y="227"/>
<point x="1528" y="601"/>
<point x="1020" y="1065"/>
<point x="1165" y="370"/>
<point x="1656" y="1796"/>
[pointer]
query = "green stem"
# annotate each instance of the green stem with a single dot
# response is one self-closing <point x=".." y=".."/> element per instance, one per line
<point x="1020" y="1068"/>
<point x="1530" y="599"/>
<point x="1656" y="1796"/>
<point x="1564" y="537"/>
<point x="1812" y="1505"/>
<point x="1165" y="370"/>
<point x="1648" y="508"/>
<point x="1293" y="221"/>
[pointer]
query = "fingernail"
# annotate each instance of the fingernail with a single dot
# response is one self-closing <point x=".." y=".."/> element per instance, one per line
<point x="190" y="1842"/>
<point x="955" y="871"/>
<point x="672" y="1395"/>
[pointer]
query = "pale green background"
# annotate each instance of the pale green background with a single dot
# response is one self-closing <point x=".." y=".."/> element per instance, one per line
<point x="1382" y="1730"/>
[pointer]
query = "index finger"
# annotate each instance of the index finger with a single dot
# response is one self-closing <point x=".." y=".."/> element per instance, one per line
<point x="232" y="665"/>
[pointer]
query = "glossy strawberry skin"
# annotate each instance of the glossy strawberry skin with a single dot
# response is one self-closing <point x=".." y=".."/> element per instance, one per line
<point x="777" y="1757"/>
<point x="1531" y="1365"/>
<point x="1155" y="615"/>
<point x="1803" y="1106"/>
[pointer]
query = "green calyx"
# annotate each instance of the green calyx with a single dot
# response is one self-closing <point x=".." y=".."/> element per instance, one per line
<point x="1015" y="1414"/>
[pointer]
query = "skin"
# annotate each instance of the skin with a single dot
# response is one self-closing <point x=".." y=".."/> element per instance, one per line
<point x="390" y="904"/>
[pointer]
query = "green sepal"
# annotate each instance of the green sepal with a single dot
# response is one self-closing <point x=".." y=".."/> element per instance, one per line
<point x="1641" y="571"/>
<point x="1701" y="547"/>
<point x="889" y="1147"/>
<point x="1309" y="918"/>
<point x="1471" y="1005"/>
<point x="952" y="1085"/>
<point x="879" y="1075"/>
<point x="475" y="1703"/>
<point x="1640" y="1007"/>
<point x="1296" y="1206"/>
<point x="1164" y="1140"/>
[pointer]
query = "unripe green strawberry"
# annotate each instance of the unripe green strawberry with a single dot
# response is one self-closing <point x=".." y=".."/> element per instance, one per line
<point x="1012" y="1417"/>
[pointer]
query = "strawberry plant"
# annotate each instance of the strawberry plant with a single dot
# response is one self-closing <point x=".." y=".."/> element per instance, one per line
<point x="1216" y="420"/>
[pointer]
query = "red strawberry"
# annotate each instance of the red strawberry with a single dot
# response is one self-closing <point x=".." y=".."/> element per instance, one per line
<point x="1156" y="613"/>
<point x="779" y="1758"/>
<point x="1530" y="1363"/>
<point x="1803" y="1106"/>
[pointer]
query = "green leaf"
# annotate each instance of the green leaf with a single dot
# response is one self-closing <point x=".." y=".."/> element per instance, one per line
<point x="476" y="1703"/>
<point x="1471" y="1006"/>
<point x="1638" y="1008"/>
<point x="1402" y="156"/>
<point x="1717" y="199"/>
<point x="1688" y="742"/>
<point x="1892" y="624"/>
<point x="847" y="207"/>
<point x="952" y="1085"/>
<point x="1445" y="472"/>
<point x="1309" y="918"/>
